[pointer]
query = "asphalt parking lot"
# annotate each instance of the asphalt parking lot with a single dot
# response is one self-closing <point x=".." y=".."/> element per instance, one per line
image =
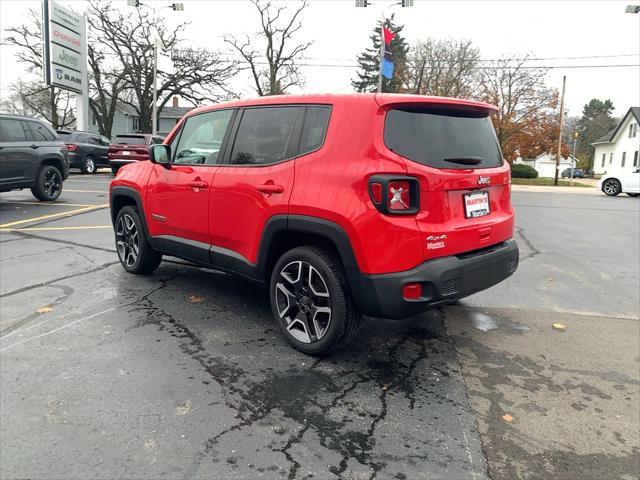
<point x="183" y="374"/>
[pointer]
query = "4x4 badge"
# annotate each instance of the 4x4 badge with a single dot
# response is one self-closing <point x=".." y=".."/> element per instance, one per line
<point x="484" y="180"/>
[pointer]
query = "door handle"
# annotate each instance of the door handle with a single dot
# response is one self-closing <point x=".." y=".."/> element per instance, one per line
<point x="34" y="146"/>
<point x="198" y="185"/>
<point x="270" y="188"/>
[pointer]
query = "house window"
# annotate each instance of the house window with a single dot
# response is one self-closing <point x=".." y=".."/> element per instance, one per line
<point x="633" y="130"/>
<point x="635" y="158"/>
<point x="136" y="124"/>
<point x="610" y="158"/>
<point x="624" y="158"/>
<point x="604" y="155"/>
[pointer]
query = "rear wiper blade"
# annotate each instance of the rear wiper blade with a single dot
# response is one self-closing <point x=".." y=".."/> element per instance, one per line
<point x="465" y="160"/>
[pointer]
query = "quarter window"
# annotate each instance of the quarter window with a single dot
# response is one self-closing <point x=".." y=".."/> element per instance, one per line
<point x="11" y="131"/>
<point x="264" y="136"/>
<point x="316" y="121"/>
<point x="202" y="137"/>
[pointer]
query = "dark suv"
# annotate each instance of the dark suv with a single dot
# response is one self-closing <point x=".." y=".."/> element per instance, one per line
<point x="341" y="205"/>
<point x="31" y="156"/>
<point x="87" y="150"/>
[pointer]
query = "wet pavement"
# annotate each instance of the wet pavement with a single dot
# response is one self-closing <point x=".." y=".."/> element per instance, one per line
<point x="183" y="374"/>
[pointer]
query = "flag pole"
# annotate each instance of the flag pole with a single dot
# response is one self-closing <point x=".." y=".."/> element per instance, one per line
<point x="382" y="45"/>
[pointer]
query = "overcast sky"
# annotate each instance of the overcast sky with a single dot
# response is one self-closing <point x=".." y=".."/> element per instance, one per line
<point x="339" y="30"/>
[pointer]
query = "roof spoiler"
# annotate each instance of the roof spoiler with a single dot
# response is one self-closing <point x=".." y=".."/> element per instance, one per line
<point x="405" y="100"/>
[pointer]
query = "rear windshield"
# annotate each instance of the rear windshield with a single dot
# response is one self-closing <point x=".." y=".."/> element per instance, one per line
<point x="443" y="138"/>
<point x="129" y="139"/>
<point x="64" y="135"/>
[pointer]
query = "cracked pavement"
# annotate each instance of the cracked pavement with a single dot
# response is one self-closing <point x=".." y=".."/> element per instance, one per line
<point x="183" y="374"/>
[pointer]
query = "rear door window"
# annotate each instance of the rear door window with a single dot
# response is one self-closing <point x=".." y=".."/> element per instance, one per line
<point x="12" y="131"/>
<point x="40" y="132"/>
<point x="265" y="136"/>
<point x="442" y="138"/>
<point x="82" y="138"/>
<point x="314" y="130"/>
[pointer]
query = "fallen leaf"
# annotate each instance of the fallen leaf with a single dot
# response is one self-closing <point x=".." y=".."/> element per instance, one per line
<point x="559" y="326"/>
<point x="44" y="309"/>
<point x="507" y="418"/>
<point x="385" y="387"/>
<point x="196" y="299"/>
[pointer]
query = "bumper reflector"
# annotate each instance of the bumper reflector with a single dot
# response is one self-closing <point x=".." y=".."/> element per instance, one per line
<point x="412" y="291"/>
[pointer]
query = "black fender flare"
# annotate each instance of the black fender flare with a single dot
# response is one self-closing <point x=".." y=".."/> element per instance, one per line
<point x="132" y="193"/>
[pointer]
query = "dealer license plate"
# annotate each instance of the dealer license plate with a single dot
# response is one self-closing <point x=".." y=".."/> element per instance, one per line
<point x="476" y="204"/>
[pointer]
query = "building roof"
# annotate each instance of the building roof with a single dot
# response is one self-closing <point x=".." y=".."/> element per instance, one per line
<point x="609" y="136"/>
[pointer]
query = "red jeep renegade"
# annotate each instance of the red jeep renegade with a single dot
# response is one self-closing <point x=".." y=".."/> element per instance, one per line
<point x="343" y="205"/>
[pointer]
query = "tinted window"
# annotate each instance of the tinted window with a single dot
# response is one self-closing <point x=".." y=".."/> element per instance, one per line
<point x="104" y="141"/>
<point x="94" y="140"/>
<point x="129" y="139"/>
<point x="11" y="131"/>
<point x="82" y="138"/>
<point x="156" y="140"/>
<point x="264" y="135"/>
<point x="202" y="137"/>
<point x="41" y="132"/>
<point x="432" y="136"/>
<point x="316" y="121"/>
<point x="65" y="136"/>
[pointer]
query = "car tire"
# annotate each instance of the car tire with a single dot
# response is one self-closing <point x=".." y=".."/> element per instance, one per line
<point x="88" y="166"/>
<point x="634" y="194"/>
<point x="134" y="251"/>
<point x="48" y="185"/>
<point x="311" y="301"/>
<point x="114" y="170"/>
<point x="612" y="187"/>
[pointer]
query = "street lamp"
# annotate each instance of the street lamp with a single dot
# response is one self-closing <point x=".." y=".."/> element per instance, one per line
<point x="632" y="9"/>
<point x="176" y="7"/>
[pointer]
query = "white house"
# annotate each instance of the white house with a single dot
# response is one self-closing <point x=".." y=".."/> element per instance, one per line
<point x="618" y="149"/>
<point x="545" y="164"/>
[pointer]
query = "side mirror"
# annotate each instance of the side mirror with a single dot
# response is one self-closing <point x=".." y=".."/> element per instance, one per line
<point x="160" y="154"/>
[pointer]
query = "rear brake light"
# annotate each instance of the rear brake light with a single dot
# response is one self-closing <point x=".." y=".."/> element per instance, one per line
<point x="395" y="195"/>
<point x="412" y="291"/>
<point x="71" y="147"/>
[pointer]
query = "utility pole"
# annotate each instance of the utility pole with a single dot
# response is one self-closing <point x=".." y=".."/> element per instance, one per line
<point x="382" y="46"/>
<point x="575" y="141"/>
<point x="564" y="83"/>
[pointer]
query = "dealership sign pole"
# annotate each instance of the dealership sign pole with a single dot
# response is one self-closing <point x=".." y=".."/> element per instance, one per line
<point x="64" y="37"/>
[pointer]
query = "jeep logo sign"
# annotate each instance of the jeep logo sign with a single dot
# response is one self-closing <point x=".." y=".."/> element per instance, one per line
<point x="484" y="180"/>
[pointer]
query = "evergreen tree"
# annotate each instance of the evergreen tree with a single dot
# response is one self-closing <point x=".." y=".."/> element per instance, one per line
<point x="596" y="121"/>
<point x="369" y="61"/>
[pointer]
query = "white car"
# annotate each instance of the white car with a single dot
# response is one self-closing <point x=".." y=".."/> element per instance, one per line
<point x="615" y="183"/>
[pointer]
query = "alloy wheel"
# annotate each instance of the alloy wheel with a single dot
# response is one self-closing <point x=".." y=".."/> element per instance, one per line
<point x="90" y="165"/>
<point x="610" y="187"/>
<point x="127" y="240"/>
<point x="303" y="301"/>
<point x="52" y="182"/>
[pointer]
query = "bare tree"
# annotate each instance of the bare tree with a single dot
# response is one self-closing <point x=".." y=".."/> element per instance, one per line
<point x="274" y="71"/>
<point x="128" y="39"/>
<point x="50" y="103"/>
<point x="527" y="120"/>
<point x="106" y="83"/>
<point x="444" y="68"/>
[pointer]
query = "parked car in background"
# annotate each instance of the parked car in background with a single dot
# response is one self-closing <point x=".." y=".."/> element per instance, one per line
<point x="130" y="148"/>
<point x="577" y="173"/>
<point x="306" y="193"/>
<point x="31" y="156"/>
<point x="615" y="183"/>
<point x="87" y="150"/>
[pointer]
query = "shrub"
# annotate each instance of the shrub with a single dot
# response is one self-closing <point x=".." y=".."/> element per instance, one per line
<point x="520" y="170"/>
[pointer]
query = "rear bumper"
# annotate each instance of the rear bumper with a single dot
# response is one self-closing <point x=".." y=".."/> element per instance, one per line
<point x="443" y="281"/>
<point x="125" y="161"/>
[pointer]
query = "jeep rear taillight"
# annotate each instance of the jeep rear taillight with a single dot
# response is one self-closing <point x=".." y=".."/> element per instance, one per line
<point x="394" y="195"/>
<point x="71" y="147"/>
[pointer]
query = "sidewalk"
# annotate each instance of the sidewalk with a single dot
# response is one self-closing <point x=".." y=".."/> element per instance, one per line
<point x="551" y="189"/>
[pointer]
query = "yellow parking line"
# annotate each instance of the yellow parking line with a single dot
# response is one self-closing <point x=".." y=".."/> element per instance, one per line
<point x="47" y="229"/>
<point x="53" y="215"/>
<point x="48" y="204"/>
<point x="85" y="191"/>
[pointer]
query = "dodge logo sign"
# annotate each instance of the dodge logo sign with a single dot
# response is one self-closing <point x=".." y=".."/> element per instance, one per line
<point x="484" y="180"/>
